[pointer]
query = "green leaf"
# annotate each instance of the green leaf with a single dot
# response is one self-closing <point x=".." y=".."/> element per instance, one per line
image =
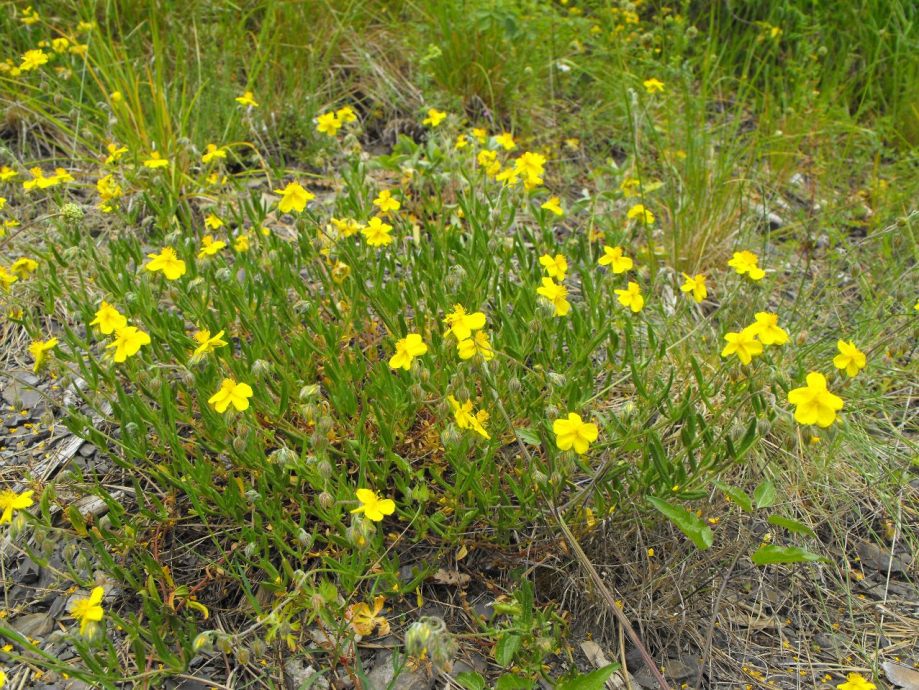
<point x="738" y="496"/>
<point x="770" y="553"/>
<point x="506" y="649"/>
<point x="595" y="680"/>
<point x="764" y="495"/>
<point x="529" y="436"/>
<point x="791" y="525"/>
<point x="471" y="680"/>
<point x="511" y="682"/>
<point x="689" y="524"/>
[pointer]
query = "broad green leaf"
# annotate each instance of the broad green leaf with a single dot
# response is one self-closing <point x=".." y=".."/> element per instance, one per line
<point x="689" y="524"/>
<point x="764" y="495"/>
<point x="791" y="525"/>
<point x="595" y="680"/>
<point x="506" y="649"/>
<point x="738" y="496"/>
<point x="511" y="682"/>
<point x="770" y="553"/>
<point x="529" y="436"/>
<point x="471" y="680"/>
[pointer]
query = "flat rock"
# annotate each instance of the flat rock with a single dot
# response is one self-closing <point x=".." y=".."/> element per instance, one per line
<point x="298" y="675"/>
<point x="384" y="677"/>
<point x="876" y="558"/>
<point x="33" y="625"/>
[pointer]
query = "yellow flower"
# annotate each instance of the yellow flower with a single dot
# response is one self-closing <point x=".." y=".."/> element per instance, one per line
<point x="294" y="197"/>
<point x="346" y="227"/>
<point x="850" y="359"/>
<point x="156" y="161"/>
<point x="116" y="97"/>
<point x="695" y="285"/>
<point x="767" y="329"/>
<point x="553" y="205"/>
<point x="29" y="16"/>
<point x="127" y="343"/>
<point x="365" y="620"/>
<point x="639" y="211"/>
<point x="23" y="267"/>
<point x="108" y="319"/>
<point x="340" y="272"/>
<point x="743" y="344"/>
<point x="556" y="294"/>
<point x="10" y="502"/>
<point x="2" y="202"/>
<point x="386" y="203"/>
<point x="856" y="681"/>
<point x="746" y="262"/>
<point x="630" y="187"/>
<point x="488" y="161"/>
<point x="39" y="350"/>
<point x="328" y="123"/>
<point x="506" y="141"/>
<point x="109" y="191"/>
<point x="465" y="418"/>
<point x="213" y="152"/>
<point x="377" y="232"/>
<point x="231" y="393"/>
<point x="631" y="297"/>
<point x="114" y="153"/>
<point x="207" y="342"/>
<point x="814" y="403"/>
<point x="462" y="141"/>
<point x="461" y="323"/>
<point x="168" y="262"/>
<point x="477" y="344"/>
<point x="346" y="114"/>
<point x="6" y="278"/>
<point x="241" y="243"/>
<point x="372" y="506"/>
<point x="210" y="246"/>
<point x="530" y="166"/>
<point x="480" y="134"/>
<point x="574" y="433"/>
<point x="407" y="349"/>
<point x="554" y="267"/>
<point x="434" y="118"/>
<point x="247" y="99"/>
<point x="615" y="259"/>
<point x="213" y="222"/>
<point x="89" y="610"/>
<point x="509" y="176"/>
<point x="653" y="85"/>
<point x="7" y="173"/>
<point x="33" y="59"/>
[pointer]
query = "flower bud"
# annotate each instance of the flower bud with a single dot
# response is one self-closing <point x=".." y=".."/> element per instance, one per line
<point x="360" y="532"/>
<point x="239" y="444"/>
<point x="204" y="642"/>
<point x="325" y="500"/>
<point x="223" y="275"/>
<point x="243" y="656"/>
<point x="309" y="392"/>
<point x="556" y="379"/>
<point x="324" y="469"/>
<point x="514" y="386"/>
<point x="455" y="277"/>
<point x="72" y="214"/>
<point x="260" y="368"/>
<point x="305" y="539"/>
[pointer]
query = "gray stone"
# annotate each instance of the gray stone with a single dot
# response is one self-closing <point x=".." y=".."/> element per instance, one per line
<point x="385" y="676"/>
<point x="33" y="625"/>
<point x="876" y="558"/>
<point x="298" y="675"/>
<point x="22" y="396"/>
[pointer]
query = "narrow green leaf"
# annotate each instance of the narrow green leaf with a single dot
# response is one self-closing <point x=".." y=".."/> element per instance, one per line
<point x="770" y="553"/>
<point x="738" y="496"/>
<point x="689" y="524"/>
<point x="791" y="525"/>
<point x="595" y="680"/>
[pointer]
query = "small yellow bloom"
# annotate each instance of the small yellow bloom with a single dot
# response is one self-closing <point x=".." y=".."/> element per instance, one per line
<point x="630" y="187"/>
<point x="294" y="197"/>
<point x="477" y="344"/>
<point x="434" y="118"/>
<point x="168" y="262"/>
<point x="407" y="349"/>
<point x="231" y="393"/>
<point x="746" y="262"/>
<point x="207" y="342"/>
<point x="615" y="259"/>
<point x="10" y="502"/>
<point x="480" y="134"/>
<point x="768" y="331"/>
<point x="33" y="59"/>
<point x="653" y="85"/>
<point x="506" y="141"/>
<point x="377" y="232"/>
<point x="127" y="343"/>
<point x="6" y="278"/>
<point x="39" y="350"/>
<point x="556" y="294"/>
<point x="743" y="344"/>
<point x="108" y="319"/>
<point x="241" y="243"/>
<point x="555" y="267"/>
<point x="639" y="211"/>
<point x="574" y="433"/>
<point x="7" y="173"/>
<point x="814" y="403"/>
<point x="116" y="97"/>
<point x="386" y="202"/>
<point x="213" y="222"/>
<point x="695" y="285"/>
<point x="328" y="124"/>
<point x="372" y="506"/>
<point x="462" y="141"/>
<point x="553" y="205"/>
<point x="247" y="99"/>
<point x="365" y="620"/>
<point x="856" y="681"/>
<point x="213" y="153"/>
<point x="346" y="114"/>
<point x="346" y="227"/>
<point x="850" y="359"/>
<point x="465" y="417"/>
<point x="23" y="267"/>
<point x="114" y="153"/>
<point x="156" y="161"/>
<point x="89" y="610"/>
<point x="210" y="246"/>
<point x="631" y="297"/>
<point x="461" y="323"/>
